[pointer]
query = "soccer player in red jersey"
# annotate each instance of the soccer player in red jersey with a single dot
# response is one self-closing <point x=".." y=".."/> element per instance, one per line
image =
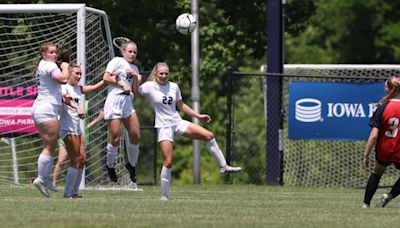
<point x="385" y="136"/>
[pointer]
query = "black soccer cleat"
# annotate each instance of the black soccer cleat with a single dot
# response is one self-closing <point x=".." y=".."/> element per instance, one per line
<point x="112" y="174"/>
<point x="132" y="171"/>
<point x="385" y="199"/>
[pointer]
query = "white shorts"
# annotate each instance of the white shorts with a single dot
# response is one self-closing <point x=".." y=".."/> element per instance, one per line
<point x="69" y="126"/>
<point x="168" y="133"/>
<point x="43" y="111"/>
<point x="118" y="106"/>
<point x="73" y="130"/>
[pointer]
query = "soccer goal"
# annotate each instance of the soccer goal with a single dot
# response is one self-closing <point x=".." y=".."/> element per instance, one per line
<point x="86" y="33"/>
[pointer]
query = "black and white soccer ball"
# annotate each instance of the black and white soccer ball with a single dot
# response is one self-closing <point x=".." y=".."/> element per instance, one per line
<point x="186" y="23"/>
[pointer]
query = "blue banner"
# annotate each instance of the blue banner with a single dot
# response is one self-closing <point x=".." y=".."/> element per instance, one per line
<point x="332" y="111"/>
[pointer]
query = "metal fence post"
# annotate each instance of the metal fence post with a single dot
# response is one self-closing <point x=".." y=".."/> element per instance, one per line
<point x="274" y="90"/>
<point x="229" y="127"/>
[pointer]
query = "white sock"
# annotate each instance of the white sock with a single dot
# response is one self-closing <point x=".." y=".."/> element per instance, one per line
<point x="72" y="175"/>
<point x="214" y="150"/>
<point x="133" y="153"/>
<point x="111" y="153"/>
<point x="165" y="180"/>
<point x="75" y="189"/>
<point x="43" y="172"/>
<point x="49" y="167"/>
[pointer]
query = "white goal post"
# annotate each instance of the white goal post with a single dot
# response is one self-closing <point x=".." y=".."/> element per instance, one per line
<point x="23" y="28"/>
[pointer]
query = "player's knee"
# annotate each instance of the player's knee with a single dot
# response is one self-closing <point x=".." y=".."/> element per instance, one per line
<point x="74" y="163"/>
<point x="83" y="157"/>
<point x="378" y="173"/>
<point x="82" y="160"/>
<point x="167" y="163"/>
<point x="209" y="136"/>
<point x="115" y="141"/>
<point x="135" y="139"/>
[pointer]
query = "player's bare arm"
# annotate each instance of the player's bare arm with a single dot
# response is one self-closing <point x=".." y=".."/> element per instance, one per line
<point x="70" y="102"/>
<point x="373" y="137"/>
<point x="188" y="110"/>
<point x="92" y="88"/>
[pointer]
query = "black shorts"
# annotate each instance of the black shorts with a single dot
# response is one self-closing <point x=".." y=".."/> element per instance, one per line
<point x="384" y="163"/>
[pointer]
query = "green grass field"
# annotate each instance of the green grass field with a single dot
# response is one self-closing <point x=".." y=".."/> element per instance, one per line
<point x="196" y="206"/>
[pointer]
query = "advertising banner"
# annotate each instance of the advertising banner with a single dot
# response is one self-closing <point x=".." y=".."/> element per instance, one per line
<point x="15" y="108"/>
<point x="332" y="111"/>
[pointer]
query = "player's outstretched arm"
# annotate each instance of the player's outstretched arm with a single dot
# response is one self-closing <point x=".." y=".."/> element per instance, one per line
<point x="92" y="88"/>
<point x="99" y="117"/>
<point x="188" y="110"/>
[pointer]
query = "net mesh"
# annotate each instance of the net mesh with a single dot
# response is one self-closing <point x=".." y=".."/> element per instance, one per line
<point x="21" y="34"/>
<point x="317" y="163"/>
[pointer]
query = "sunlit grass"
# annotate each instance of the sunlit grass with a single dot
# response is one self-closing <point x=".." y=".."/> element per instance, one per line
<point x="196" y="206"/>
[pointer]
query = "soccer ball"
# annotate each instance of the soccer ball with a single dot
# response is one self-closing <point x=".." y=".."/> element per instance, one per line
<point x="185" y="23"/>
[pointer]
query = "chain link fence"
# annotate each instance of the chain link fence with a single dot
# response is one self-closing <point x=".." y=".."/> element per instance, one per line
<point x="317" y="163"/>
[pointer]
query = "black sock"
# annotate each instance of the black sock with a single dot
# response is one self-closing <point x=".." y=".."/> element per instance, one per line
<point x="395" y="191"/>
<point x="372" y="185"/>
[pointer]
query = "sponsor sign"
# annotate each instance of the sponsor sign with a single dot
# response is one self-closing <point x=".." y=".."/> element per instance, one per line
<point x="332" y="111"/>
<point x="15" y="108"/>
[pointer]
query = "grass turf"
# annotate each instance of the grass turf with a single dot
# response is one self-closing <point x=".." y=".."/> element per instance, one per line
<point x="196" y="206"/>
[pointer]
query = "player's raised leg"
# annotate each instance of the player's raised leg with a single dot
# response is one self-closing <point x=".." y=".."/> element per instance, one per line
<point x="195" y="131"/>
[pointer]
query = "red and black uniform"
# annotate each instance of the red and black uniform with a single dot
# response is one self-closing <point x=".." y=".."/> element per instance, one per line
<point x="387" y="119"/>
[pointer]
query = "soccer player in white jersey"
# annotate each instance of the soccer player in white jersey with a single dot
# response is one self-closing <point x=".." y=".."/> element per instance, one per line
<point x="63" y="157"/>
<point x="118" y="108"/>
<point x="165" y="96"/>
<point x="70" y="130"/>
<point x="46" y="109"/>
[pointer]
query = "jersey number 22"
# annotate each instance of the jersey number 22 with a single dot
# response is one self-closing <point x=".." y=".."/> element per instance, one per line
<point x="167" y="100"/>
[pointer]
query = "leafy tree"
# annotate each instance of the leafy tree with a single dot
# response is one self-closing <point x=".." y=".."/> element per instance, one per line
<point x="363" y="32"/>
<point x="232" y="33"/>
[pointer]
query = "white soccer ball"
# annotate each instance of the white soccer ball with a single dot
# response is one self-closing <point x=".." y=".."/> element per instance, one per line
<point x="185" y="23"/>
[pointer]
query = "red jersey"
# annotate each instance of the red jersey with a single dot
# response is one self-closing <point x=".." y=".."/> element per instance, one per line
<point x="386" y="118"/>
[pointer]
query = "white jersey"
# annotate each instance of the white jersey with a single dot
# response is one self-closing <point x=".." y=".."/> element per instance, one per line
<point x="48" y="88"/>
<point x="119" y="66"/>
<point x="163" y="99"/>
<point x="69" y="119"/>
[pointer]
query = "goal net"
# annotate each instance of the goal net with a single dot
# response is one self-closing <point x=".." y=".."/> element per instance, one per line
<point x="83" y="30"/>
<point x="306" y="162"/>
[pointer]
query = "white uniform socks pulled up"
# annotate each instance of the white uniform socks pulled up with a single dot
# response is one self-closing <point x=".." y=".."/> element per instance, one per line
<point x="133" y="153"/>
<point x="72" y="176"/>
<point x="214" y="150"/>
<point x="45" y="164"/>
<point x="111" y="154"/>
<point x="165" y="180"/>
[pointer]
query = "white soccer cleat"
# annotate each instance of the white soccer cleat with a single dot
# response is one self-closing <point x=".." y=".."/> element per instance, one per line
<point x="41" y="187"/>
<point x="229" y="169"/>
<point x="384" y="200"/>
<point x="365" y="206"/>
<point x="164" y="198"/>
<point x="134" y="187"/>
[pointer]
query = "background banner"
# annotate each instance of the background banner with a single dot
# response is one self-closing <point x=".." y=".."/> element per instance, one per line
<point x="15" y="108"/>
<point x="332" y="111"/>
